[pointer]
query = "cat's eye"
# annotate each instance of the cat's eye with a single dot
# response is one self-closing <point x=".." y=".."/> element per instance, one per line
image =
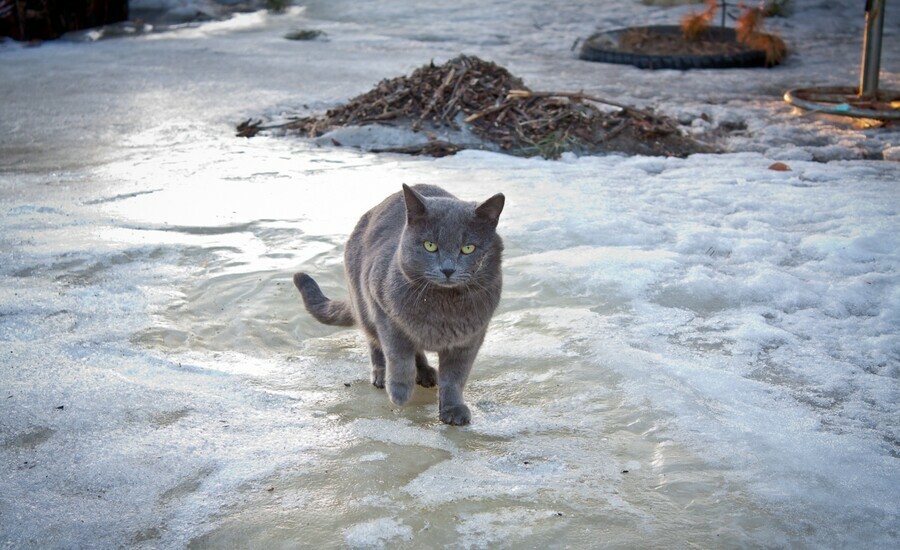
<point x="430" y="246"/>
<point x="468" y="249"/>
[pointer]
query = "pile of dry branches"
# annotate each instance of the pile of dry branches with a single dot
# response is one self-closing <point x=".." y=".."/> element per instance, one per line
<point x="499" y="109"/>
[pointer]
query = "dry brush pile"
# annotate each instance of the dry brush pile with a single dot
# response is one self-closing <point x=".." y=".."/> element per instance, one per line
<point x="499" y="109"/>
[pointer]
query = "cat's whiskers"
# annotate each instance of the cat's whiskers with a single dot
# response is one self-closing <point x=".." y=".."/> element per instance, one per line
<point x="419" y="292"/>
<point x="482" y="260"/>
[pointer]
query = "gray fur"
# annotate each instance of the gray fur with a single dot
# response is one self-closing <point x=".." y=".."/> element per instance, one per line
<point x="408" y="300"/>
<point x="329" y="312"/>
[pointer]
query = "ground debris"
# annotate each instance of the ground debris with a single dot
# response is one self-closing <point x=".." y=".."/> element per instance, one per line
<point x="472" y="95"/>
<point x="304" y="34"/>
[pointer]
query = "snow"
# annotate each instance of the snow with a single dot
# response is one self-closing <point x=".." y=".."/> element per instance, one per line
<point x="689" y="352"/>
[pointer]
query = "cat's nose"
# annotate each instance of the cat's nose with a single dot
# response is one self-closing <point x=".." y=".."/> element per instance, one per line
<point x="448" y="269"/>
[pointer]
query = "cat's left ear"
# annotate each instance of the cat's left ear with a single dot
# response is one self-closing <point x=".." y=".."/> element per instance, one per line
<point x="489" y="211"/>
<point x="416" y="212"/>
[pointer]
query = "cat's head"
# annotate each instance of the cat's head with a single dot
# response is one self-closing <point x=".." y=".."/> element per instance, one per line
<point x="451" y="243"/>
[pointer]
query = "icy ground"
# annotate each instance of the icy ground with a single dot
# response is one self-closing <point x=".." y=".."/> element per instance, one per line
<point x="689" y="353"/>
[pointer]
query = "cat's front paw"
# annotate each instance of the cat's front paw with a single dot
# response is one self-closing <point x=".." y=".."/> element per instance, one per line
<point x="456" y="415"/>
<point x="426" y="376"/>
<point x="377" y="378"/>
<point x="399" y="393"/>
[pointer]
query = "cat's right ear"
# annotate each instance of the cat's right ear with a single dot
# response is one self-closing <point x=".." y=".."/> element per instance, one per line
<point x="416" y="213"/>
<point x="489" y="210"/>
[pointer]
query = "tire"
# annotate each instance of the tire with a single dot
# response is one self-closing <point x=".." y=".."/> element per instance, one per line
<point x="598" y="47"/>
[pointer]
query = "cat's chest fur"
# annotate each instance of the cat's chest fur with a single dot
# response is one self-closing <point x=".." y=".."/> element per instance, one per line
<point x="439" y="319"/>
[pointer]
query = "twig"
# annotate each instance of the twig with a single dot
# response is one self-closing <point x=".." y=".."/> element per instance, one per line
<point x="579" y="96"/>
<point x="454" y="95"/>
<point x="475" y="116"/>
<point x="432" y="148"/>
<point x="438" y="94"/>
<point x="387" y="115"/>
<point x="617" y="129"/>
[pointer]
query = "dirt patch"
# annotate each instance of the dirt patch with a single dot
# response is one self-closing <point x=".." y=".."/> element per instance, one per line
<point x="471" y="97"/>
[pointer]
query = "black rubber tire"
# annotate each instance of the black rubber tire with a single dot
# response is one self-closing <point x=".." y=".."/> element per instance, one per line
<point x="596" y="48"/>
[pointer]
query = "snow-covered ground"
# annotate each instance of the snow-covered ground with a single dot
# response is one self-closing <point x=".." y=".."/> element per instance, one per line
<point x="689" y="353"/>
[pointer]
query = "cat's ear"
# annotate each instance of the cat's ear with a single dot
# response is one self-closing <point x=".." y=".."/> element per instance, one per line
<point x="416" y="213"/>
<point x="489" y="210"/>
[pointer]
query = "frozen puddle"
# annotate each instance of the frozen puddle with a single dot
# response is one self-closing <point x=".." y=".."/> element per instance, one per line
<point x="689" y="353"/>
<point x="700" y="363"/>
<point x="534" y="469"/>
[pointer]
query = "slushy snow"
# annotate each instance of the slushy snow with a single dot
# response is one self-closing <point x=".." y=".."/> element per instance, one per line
<point x="689" y="352"/>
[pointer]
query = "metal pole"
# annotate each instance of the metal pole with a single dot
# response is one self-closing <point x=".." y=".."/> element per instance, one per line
<point x="871" y="61"/>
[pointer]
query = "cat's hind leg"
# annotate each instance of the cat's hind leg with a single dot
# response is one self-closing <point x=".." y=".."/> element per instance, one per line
<point x="426" y="375"/>
<point x="378" y="365"/>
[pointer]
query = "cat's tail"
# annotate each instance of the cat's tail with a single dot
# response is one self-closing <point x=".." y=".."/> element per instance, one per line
<point x="329" y="312"/>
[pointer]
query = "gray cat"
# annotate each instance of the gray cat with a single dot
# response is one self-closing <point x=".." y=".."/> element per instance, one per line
<point x="424" y="274"/>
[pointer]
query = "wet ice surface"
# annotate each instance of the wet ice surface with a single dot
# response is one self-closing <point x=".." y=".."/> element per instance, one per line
<point x="688" y="352"/>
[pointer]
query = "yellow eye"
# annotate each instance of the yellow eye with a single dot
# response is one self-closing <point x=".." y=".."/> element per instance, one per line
<point x="430" y="246"/>
<point x="468" y="249"/>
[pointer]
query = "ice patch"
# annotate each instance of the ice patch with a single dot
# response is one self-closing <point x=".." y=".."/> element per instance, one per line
<point x="587" y="268"/>
<point x="503" y="526"/>
<point x="399" y="432"/>
<point x="466" y="476"/>
<point x="372" y="457"/>
<point x="377" y="533"/>
<point x="515" y="337"/>
<point x="509" y="421"/>
<point x="531" y="466"/>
